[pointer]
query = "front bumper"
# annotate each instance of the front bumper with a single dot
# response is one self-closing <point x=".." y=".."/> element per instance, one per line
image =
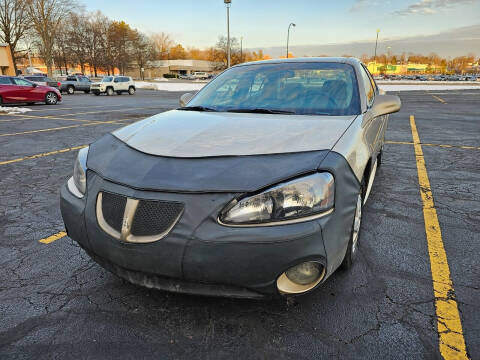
<point x="199" y="255"/>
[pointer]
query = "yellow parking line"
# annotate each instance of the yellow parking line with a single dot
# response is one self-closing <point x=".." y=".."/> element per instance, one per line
<point x="116" y="110"/>
<point x="53" y="237"/>
<point x="449" y="325"/>
<point x="61" y="128"/>
<point x="439" y="145"/>
<point x="36" y="156"/>
<point x="439" y="99"/>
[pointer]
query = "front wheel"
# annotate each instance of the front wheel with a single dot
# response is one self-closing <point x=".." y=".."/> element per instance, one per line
<point x="352" y="248"/>
<point x="86" y="91"/>
<point x="131" y="90"/>
<point x="51" y="98"/>
<point x="70" y="90"/>
<point x="109" y="91"/>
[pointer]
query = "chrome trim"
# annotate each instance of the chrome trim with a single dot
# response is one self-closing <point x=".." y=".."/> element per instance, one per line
<point x="73" y="188"/>
<point x="128" y="216"/>
<point x="282" y="222"/>
<point x="286" y="286"/>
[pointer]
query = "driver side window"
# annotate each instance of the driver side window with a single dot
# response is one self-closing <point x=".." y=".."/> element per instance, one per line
<point x="22" y="82"/>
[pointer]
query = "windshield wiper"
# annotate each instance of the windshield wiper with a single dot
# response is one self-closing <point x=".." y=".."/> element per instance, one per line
<point x="262" y="111"/>
<point x="196" y="108"/>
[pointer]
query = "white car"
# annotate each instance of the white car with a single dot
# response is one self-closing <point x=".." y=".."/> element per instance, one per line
<point x="200" y="75"/>
<point x="111" y="84"/>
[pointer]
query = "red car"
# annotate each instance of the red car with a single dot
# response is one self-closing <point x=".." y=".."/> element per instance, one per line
<point x="17" y="90"/>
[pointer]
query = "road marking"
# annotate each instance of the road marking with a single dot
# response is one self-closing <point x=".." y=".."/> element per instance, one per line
<point x="116" y="110"/>
<point x="429" y="144"/>
<point x="63" y="128"/>
<point x="53" y="237"/>
<point x="449" y="325"/>
<point x="439" y="99"/>
<point x="36" y="156"/>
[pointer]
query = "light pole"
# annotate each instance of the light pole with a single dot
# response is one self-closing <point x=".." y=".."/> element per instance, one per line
<point x="228" y="3"/>
<point x="376" y="43"/>
<point x="288" y="35"/>
<point x="241" y="49"/>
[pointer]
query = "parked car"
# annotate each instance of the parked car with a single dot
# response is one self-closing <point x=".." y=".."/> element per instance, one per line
<point x="201" y="75"/>
<point x="42" y="80"/>
<point x="111" y="84"/>
<point x="18" y="90"/>
<point x="75" y="83"/>
<point x="186" y="77"/>
<point x="254" y="187"/>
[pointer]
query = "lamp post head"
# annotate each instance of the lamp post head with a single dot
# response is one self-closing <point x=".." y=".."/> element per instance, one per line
<point x="227" y="3"/>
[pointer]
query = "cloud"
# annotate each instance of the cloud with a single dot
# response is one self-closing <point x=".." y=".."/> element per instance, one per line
<point x="430" y="7"/>
<point x="359" y="5"/>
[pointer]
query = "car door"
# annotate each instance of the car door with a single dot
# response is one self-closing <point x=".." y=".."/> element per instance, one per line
<point x="28" y="91"/>
<point x="383" y="120"/>
<point x="117" y="83"/>
<point x="124" y="83"/>
<point x="373" y="124"/>
<point x="84" y="83"/>
<point x="7" y="89"/>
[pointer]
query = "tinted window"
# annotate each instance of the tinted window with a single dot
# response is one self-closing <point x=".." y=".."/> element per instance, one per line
<point x="22" y="82"/>
<point x="5" y="81"/>
<point x="107" y="79"/>
<point x="71" y="78"/>
<point x="369" y="90"/>
<point x="302" y="88"/>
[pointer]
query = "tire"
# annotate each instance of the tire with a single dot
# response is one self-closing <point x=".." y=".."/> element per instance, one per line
<point x="131" y="90"/>
<point x="30" y="103"/>
<point x="70" y="90"/>
<point x="119" y="93"/>
<point x="86" y="91"/>
<point x="109" y="91"/>
<point x="352" y="248"/>
<point x="51" y="98"/>
<point x="96" y="93"/>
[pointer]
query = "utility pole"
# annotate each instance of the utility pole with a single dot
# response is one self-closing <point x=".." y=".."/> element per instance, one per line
<point x="376" y="43"/>
<point x="228" y="3"/>
<point x="241" y="49"/>
<point x="288" y="35"/>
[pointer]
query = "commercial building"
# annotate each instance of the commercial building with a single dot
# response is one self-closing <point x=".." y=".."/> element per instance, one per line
<point x="6" y="60"/>
<point x="158" y="68"/>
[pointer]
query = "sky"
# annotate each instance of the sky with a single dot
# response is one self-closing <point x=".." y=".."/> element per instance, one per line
<point x="264" y="23"/>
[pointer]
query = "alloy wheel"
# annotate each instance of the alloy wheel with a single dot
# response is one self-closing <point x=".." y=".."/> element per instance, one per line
<point x="357" y="223"/>
<point x="51" y="98"/>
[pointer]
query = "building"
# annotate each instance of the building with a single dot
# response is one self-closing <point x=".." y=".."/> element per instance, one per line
<point x="6" y="60"/>
<point x="403" y="69"/>
<point x="158" y="68"/>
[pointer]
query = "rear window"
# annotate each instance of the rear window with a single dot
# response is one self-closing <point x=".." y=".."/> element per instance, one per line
<point x="5" y="81"/>
<point x="71" y="78"/>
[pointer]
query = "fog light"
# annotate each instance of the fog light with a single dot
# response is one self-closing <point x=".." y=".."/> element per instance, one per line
<point x="301" y="278"/>
<point x="304" y="273"/>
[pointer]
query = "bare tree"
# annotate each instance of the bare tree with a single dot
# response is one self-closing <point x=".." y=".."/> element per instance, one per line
<point x="61" y="50"/>
<point x="162" y="42"/>
<point x="13" y="24"/>
<point x="96" y="40"/>
<point x="46" y="17"/>
<point x="77" y="35"/>
<point x="143" y="51"/>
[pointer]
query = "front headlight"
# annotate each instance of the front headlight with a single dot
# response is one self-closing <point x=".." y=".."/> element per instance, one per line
<point x="297" y="200"/>
<point x="79" y="177"/>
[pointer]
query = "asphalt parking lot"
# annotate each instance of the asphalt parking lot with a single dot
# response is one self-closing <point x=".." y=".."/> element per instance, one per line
<point x="55" y="302"/>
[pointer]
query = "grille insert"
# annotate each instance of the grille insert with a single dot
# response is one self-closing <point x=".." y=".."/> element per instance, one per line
<point x="155" y="217"/>
<point x="135" y="220"/>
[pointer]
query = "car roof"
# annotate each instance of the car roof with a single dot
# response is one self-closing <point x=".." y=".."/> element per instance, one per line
<point x="344" y="60"/>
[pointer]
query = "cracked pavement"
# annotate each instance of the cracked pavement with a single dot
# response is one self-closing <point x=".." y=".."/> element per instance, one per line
<point x="55" y="302"/>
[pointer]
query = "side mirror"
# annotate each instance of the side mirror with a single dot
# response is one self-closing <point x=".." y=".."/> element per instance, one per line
<point x="185" y="98"/>
<point x="386" y="104"/>
<point x="34" y="85"/>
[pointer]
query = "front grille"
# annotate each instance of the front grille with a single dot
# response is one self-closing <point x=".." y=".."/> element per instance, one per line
<point x="155" y="217"/>
<point x="136" y="220"/>
<point x="113" y="207"/>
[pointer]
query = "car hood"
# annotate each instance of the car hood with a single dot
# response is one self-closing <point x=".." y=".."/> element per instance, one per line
<point x="193" y="134"/>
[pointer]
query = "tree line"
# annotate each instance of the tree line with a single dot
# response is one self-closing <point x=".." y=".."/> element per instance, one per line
<point x="64" y="35"/>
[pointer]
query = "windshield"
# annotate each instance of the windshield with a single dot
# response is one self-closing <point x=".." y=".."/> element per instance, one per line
<point x="107" y="79"/>
<point x="311" y="88"/>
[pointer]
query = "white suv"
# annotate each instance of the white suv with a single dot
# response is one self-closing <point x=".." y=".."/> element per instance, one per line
<point x="111" y="84"/>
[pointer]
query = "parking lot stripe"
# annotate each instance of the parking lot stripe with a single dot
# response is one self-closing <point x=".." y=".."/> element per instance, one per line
<point x="106" y="111"/>
<point x="439" y="99"/>
<point x="440" y="145"/>
<point x="62" y="128"/>
<point x="449" y="325"/>
<point x="53" y="237"/>
<point x="36" y="156"/>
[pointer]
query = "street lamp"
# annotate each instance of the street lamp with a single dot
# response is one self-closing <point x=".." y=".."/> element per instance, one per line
<point x="288" y="35"/>
<point x="376" y="43"/>
<point x="228" y="3"/>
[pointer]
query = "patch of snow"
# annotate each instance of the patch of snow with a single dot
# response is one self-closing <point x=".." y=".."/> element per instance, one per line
<point x="171" y="86"/>
<point x="161" y="79"/>
<point x="14" y="110"/>
<point x="426" y="87"/>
